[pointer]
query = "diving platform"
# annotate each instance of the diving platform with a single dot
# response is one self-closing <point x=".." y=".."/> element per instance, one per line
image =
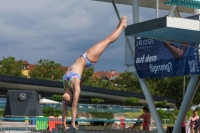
<point x="185" y="3"/>
<point x="151" y="4"/>
<point x="167" y="28"/>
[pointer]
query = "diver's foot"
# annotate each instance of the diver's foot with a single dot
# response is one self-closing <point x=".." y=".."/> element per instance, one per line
<point x="74" y="128"/>
<point x="65" y="127"/>
<point x="123" y="22"/>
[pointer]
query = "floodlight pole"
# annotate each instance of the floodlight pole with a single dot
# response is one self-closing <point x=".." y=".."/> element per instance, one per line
<point x="135" y="9"/>
<point x="157" y="8"/>
<point x="143" y="83"/>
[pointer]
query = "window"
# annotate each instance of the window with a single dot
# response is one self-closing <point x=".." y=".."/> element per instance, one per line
<point x="25" y="67"/>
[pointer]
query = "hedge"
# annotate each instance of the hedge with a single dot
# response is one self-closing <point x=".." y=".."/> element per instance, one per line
<point x="106" y="115"/>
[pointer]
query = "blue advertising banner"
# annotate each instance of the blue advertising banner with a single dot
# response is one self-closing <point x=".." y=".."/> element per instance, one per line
<point x="154" y="58"/>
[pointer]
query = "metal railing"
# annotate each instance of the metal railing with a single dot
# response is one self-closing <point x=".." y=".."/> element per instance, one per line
<point x="23" y="124"/>
<point x="48" y="124"/>
<point x="92" y="107"/>
<point x="40" y="124"/>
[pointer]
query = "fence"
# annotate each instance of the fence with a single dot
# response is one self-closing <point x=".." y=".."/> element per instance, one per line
<point x="39" y="124"/>
<point x="24" y="124"/>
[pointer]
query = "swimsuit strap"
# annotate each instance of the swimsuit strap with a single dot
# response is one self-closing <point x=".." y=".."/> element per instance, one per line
<point x="64" y="81"/>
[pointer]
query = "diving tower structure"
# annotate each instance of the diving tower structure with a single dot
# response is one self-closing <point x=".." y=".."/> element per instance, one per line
<point x="168" y="28"/>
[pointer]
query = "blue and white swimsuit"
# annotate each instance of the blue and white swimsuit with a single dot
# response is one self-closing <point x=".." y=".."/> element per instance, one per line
<point x="69" y="75"/>
<point x="89" y="64"/>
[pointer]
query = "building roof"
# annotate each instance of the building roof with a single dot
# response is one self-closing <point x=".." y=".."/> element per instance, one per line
<point x="109" y="75"/>
<point x="32" y="66"/>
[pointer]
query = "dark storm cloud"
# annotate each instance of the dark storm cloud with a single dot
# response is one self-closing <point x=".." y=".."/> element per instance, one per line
<point x="61" y="30"/>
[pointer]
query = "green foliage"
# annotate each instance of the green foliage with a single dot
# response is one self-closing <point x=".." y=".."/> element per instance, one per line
<point x="128" y="82"/>
<point x="161" y="103"/>
<point x="9" y="66"/>
<point x="97" y="100"/>
<point x="106" y="115"/>
<point x="167" y="115"/>
<point x="132" y="100"/>
<point x="176" y="112"/>
<point x="102" y="83"/>
<point x="197" y="108"/>
<point x="189" y="114"/>
<point x="57" y="113"/>
<point x="172" y="115"/>
<point x="48" y="111"/>
<point x="57" y="98"/>
<point x="1" y="112"/>
<point x="197" y="96"/>
<point x="88" y="79"/>
<point x="48" y="70"/>
<point x="52" y="112"/>
<point x="133" y="115"/>
<point x="165" y="87"/>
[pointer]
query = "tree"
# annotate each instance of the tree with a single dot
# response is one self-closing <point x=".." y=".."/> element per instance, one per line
<point x="196" y="97"/>
<point x="128" y="82"/>
<point x="197" y="108"/>
<point x="48" y="70"/>
<point x="107" y="84"/>
<point x="132" y="101"/>
<point x="165" y="87"/>
<point x="9" y="66"/>
<point x="87" y="77"/>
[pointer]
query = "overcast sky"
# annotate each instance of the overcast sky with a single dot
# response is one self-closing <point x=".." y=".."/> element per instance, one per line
<point x="61" y="30"/>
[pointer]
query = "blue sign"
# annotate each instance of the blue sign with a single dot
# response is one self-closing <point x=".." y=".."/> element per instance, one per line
<point x="154" y="58"/>
<point x="163" y="59"/>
